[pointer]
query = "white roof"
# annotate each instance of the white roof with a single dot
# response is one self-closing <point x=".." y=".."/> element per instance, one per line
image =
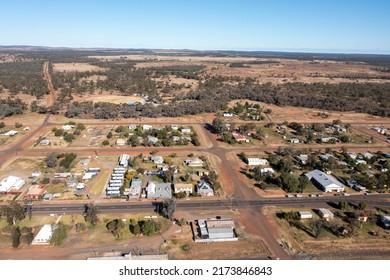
<point x="44" y="235"/>
<point x="257" y="161"/>
<point x="11" y="182"/>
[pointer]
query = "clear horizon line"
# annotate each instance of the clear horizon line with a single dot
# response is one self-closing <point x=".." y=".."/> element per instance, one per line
<point x="271" y="50"/>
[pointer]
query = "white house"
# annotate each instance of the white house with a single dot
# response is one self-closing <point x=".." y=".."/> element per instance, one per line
<point x="180" y="187"/>
<point x="11" y="133"/>
<point x="135" y="189"/>
<point x="305" y="215"/>
<point x="351" y="155"/>
<point x="67" y="127"/>
<point x="227" y="114"/>
<point x="147" y="127"/>
<point x="11" y="182"/>
<point x="157" y="159"/>
<point x="132" y="126"/>
<point x="294" y="140"/>
<point x="44" y="142"/>
<point x="360" y="161"/>
<point x="325" y="214"/>
<point x="257" y="161"/>
<point x="194" y="162"/>
<point x="152" y="139"/>
<point x="174" y="127"/>
<point x="120" y="142"/>
<point x="43" y="236"/>
<point x="186" y="131"/>
<point x="80" y="186"/>
<point x="267" y="170"/>
<point x="324" y="181"/>
<point x="124" y="160"/>
<point x="368" y="155"/>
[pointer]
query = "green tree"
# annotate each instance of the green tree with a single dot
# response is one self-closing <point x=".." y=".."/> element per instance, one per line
<point x="80" y="126"/>
<point x="362" y="205"/>
<point x="115" y="227"/>
<point x="69" y="137"/>
<point x="2" y="125"/>
<point x="135" y="229"/>
<point x="168" y="208"/>
<point x="59" y="132"/>
<point x="51" y="160"/>
<point x="91" y="214"/>
<point x="343" y="205"/>
<point x="59" y="235"/>
<point x="109" y="135"/>
<point x="15" y="237"/>
<point x="150" y="227"/>
<point x="106" y="143"/>
<point x="14" y="212"/>
<point x="219" y="125"/>
<point x="80" y="227"/>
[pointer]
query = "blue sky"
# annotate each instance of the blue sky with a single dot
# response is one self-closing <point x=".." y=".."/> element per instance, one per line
<point x="289" y="25"/>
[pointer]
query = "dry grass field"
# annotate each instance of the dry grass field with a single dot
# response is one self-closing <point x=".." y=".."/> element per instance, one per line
<point x="117" y="99"/>
<point x="75" y="67"/>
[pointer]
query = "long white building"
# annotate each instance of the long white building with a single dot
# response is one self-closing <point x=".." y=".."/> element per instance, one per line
<point x="11" y="182"/>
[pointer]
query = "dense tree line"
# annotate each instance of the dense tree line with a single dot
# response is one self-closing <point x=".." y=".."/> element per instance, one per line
<point x="11" y="106"/>
<point x="24" y="77"/>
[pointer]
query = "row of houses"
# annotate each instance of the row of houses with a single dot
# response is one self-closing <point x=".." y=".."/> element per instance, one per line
<point x="116" y="182"/>
<point x="156" y="190"/>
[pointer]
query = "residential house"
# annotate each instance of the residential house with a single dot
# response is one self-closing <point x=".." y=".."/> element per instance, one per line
<point x="360" y="161"/>
<point x="47" y="196"/>
<point x="80" y="186"/>
<point x="124" y="160"/>
<point x="183" y="187"/>
<point x="35" y="191"/>
<point x="302" y="159"/>
<point x="186" y="130"/>
<point x="294" y="140"/>
<point x="326" y="157"/>
<point x="269" y="170"/>
<point x="11" y="133"/>
<point x="351" y="155"/>
<point x="157" y="159"/>
<point x="67" y="127"/>
<point x="152" y="139"/>
<point x="204" y="189"/>
<point x="240" y="138"/>
<point x="194" y="162"/>
<point x="132" y="126"/>
<point x="159" y="190"/>
<point x="327" y="139"/>
<point x="147" y="127"/>
<point x="257" y="161"/>
<point x="363" y="217"/>
<point x="368" y="155"/>
<point x="325" y="214"/>
<point x="325" y="182"/>
<point x="227" y="114"/>
<point x="135" y="189"/>
<point x="339" y="128"/>
<point x="174" y="127"/>
<point x="355" y="185"/>
<point x="281" y="127"/>
<point x="44" y="142"/>
<point x="305" y="215"/>
<point x="120" y="142"/>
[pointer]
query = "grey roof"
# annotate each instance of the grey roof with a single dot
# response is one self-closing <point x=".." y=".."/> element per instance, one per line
<point x="323" y="179"/>
<point x="159" y="190"/>
<point x="220" y="232"/>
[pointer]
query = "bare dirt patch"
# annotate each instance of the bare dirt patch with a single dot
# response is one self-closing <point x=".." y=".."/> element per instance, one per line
<point x="117" y="99"/>
<point x="75" y="67"/>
